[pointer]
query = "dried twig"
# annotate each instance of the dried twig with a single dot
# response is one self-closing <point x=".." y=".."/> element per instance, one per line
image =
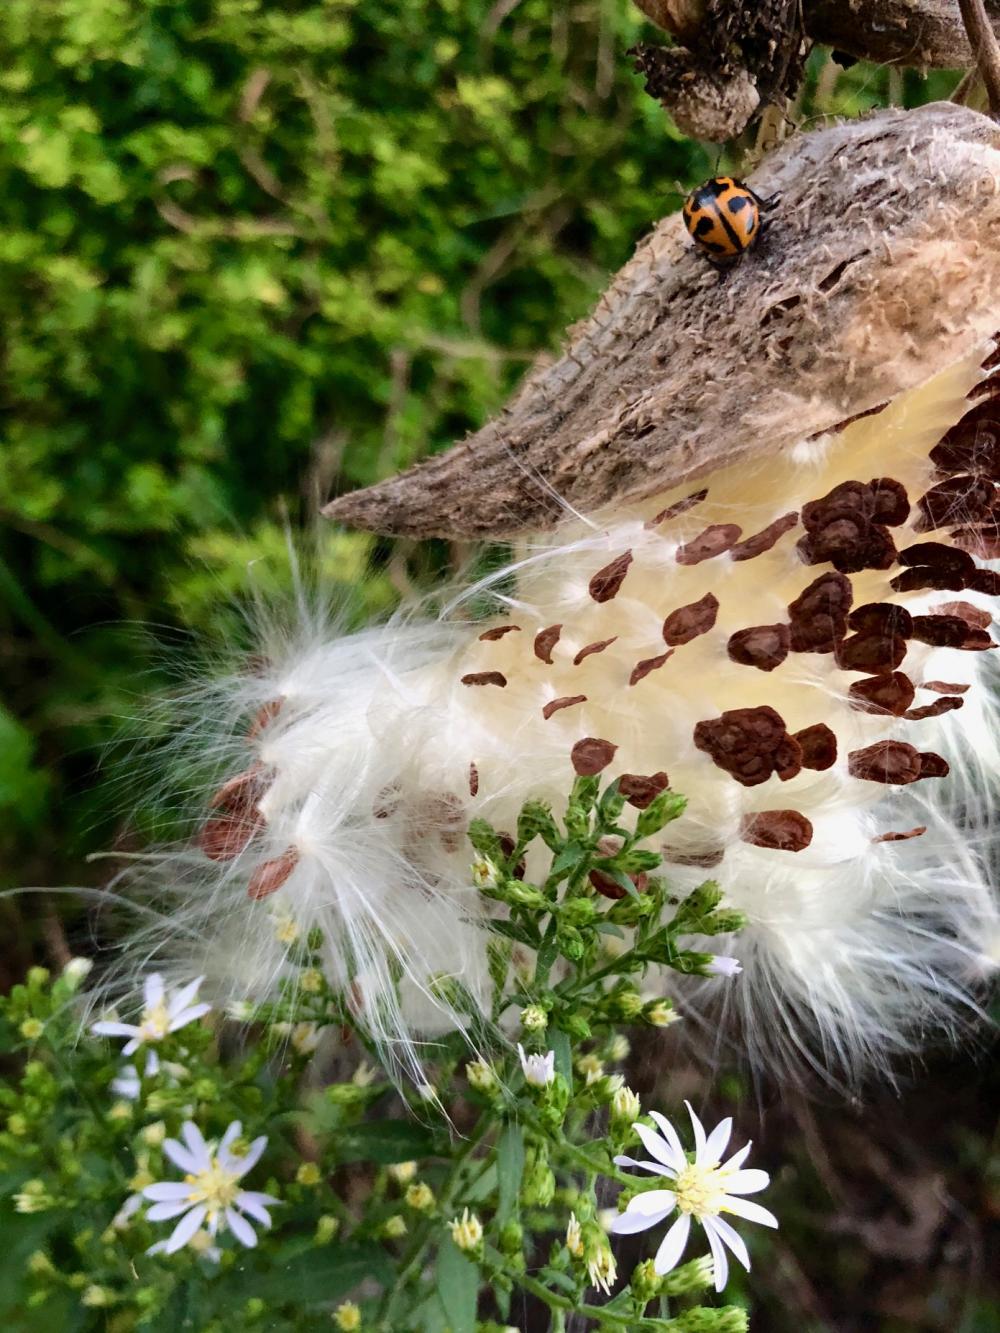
<point x="985" y="48"/>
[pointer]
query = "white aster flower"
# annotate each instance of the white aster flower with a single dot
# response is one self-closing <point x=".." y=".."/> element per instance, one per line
<point x="162" y="1014"/>
<point x="723" y="966"/>
<point x="538" y="1070"/>
<point x="702" y="1189"/>
<point x="210" y="1193"/>
<point x="129" y="1082"/>
<point x="574" y="1237"/>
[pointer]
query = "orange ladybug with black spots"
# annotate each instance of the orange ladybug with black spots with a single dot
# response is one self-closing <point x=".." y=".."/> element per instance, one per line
<point x="724" y="219"/>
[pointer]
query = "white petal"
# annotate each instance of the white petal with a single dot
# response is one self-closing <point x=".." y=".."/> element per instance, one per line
<point x="197" y="1146"/>
<point x="158" y="1248"/>
<point x="718" y="1140"/>
<point x="132" y="1046"/>
<point x="180" y="1156"/>
<point x="183" y="998"/>
<point x="699" y="1135"/>
<point x="646" y="1166"/>
<point x="166" y="1189"/>
<point x="718" y="1254"/>
<point x="186" y="1228"/>
<point x="240" y="1165"/>
<point x="108" y="1029"/>
<point x="753" y="1212"/>
<point x="745" y="1182"/>
<point x="672" y="1245"/>
<point x="738" y="1158"/>
<point x="642" y="1218"/>
<point x="152" y="994"/>
<point x="672" y="1138"/>
<point x="162" y="1212"/>
<point x="241" y="1228"/>
<point x="250" y="1205"/>
<point x="231" y="1135"/>
<point x="655" y="1146"/>
<point x="652" y="1201"/>
<point x="187" y="1016"/>
<point x="733" y="1239"/>
<point x="256" y="1196"/>
<point x="152" y="1063"/>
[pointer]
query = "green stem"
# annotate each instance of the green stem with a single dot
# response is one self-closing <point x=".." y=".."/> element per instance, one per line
<point x="414" y="1258"/>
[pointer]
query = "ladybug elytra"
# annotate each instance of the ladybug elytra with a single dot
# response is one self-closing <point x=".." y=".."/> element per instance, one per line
<point x="723" y="217"/>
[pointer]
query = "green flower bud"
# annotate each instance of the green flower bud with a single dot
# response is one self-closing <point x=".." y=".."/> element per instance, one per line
<point x="326" y="1228"/>
<point x="97" y="1297"/>
<point x="538" y="1184"/>
<point x="727" y="1319"/>
<point x="534" y="1018"/>
<point x="394" y="1228"/>
<point x="481" y="1075"/>
<point x="512" y="1238"/>
<point x="645" y="1282"/>
<point x="696" y="1275"/>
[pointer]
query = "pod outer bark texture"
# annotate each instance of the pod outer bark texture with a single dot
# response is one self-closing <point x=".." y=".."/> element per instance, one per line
<point x="878" y="267"/>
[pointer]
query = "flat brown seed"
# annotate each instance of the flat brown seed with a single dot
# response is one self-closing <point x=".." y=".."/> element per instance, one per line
<point x="592" y="648"/>
<point x="951" y="632"/>
<point x="972" y="615"/>
<point x="870" y="652"/>
<point x="606" y="582"/>
<point x="881" y="618"/>
<point x="591" y="756"/>
<point x="936" y="555"/>
<point x="902" y="836"/>
<point x="778" y="830"/>
<point x="943" y="687"/>
<point x="688" y="622"/>
<point x="749" y="744"/>
<point x="819" y="614"/>
<point x="485" y="678"/>
<point x="715" y="539"/>
<point x="913" y="580"/>
<point x="764" y="540"/>
<point x="890" y="762"/>
<point x="473" y="780"/>
<point x="567" y="701"/>
<point x="762" y="646"/>
<point x="240" y="794"/>
<point x="224" y="838"/>
<point x="642" y="791"/>
<point x="269" y="877"/>
<point x="642" y="669"/>
<point x="489" y="635"/>
<point x="986" y="581"/>
<point x="818" y="745"/>
<point x="678" y="507"/>
<point x="891" y="504"/>
<point x="545" y="641"/>
<point x="933" y="766"/>
<point x="883" y="694"/>
<point x="955" y="500"/>
<point x="946" y="705"/>
<point x="263" y="718"/>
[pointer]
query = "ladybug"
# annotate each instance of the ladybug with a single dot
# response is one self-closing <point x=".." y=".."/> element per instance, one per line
<point x="723" y="217"/>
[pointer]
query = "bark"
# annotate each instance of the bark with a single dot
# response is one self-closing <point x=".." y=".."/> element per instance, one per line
<point x="927" y="34"/>
<point x="879" y="266"/>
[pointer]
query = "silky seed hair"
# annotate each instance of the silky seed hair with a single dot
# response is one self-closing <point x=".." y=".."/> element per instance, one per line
<point x="802" y="650"/>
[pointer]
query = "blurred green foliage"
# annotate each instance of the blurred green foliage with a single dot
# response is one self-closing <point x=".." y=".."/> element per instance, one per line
<point x="253" y="252"/>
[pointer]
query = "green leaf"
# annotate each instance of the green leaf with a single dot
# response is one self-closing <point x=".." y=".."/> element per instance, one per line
<point x="485" y="841"/>
<point x="554" y="1277"/>
<point x="609" y="928"/>
<point x="568" y="859"/>
<point x="317" y="1277"/>
<point x="620" y="878"/>
<point x="564" y="1054"/>
<point x="510" y="1168"/>
<point x="384" y="1142"/>
<point x="457" y="1287"/>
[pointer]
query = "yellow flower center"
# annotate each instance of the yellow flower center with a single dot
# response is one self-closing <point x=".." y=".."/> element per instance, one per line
<point x="216" y="1188"/>
<point x="700" y="1190"/>
<point x="155" y="1022"/>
